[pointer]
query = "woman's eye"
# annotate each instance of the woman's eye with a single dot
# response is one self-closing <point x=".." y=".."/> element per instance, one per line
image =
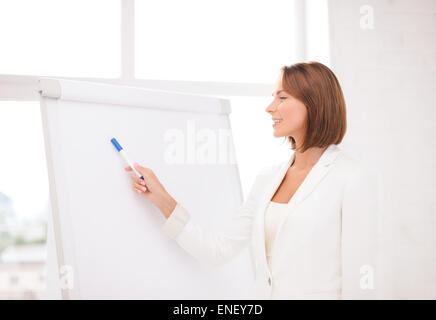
<point x="282" y="98"/>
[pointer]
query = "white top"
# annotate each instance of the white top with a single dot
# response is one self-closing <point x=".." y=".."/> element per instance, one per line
<point x="275" y="212"/>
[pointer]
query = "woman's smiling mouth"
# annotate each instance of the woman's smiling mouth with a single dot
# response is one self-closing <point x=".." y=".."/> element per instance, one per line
<point x="276" y="122"/>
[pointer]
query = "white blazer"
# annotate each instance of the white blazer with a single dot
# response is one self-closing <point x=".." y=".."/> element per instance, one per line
<point x="325" y="247"/>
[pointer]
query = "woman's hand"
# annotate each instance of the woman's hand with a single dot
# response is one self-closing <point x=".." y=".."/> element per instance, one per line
<point x="153" y="189"/>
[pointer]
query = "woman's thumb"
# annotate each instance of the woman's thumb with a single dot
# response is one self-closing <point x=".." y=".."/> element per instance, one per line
<point x="138" y="167"/>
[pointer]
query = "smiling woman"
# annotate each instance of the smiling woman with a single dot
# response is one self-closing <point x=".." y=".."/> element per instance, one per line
<point x="321" y="238"/>
<point x="309" y="107"/>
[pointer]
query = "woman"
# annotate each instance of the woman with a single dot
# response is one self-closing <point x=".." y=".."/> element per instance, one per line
<point x="311" y="220"/>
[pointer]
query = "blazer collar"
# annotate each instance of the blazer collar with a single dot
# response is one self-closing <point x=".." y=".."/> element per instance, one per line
<point x="315" y="175"/>
<point x="318" y="171"/>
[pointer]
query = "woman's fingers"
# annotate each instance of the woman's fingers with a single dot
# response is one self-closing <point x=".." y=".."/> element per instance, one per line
<point x="145" y="172"/>
<point x="139" y="187"/>
<point x="137" y="180"/>
<point x="136" y="190"/>
<point x="139" y="191"/>
<point x="139" y="184"/>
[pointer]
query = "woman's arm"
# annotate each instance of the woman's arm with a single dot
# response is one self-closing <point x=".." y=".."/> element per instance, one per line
<point x="206" y="246"/>
<point x="359" y="236"/>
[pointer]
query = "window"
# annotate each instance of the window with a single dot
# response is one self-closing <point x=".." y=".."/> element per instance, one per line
<point x="60" y="38"/>
<point x="230" y="41"/>
<point x="23" y="198"/>
<point x="14" y="279"/>
<point x="23" y="169"/>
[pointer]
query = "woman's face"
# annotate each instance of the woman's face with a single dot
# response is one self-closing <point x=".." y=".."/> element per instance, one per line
<point x="291" y="113"/>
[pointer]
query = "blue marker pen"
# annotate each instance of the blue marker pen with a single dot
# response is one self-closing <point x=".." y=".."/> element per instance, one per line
<point x="124" y="155"/>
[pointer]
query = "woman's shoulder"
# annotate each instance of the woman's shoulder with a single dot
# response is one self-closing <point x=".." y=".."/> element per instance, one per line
<point x="353" y="168"/>
<point x="348" y="162"/>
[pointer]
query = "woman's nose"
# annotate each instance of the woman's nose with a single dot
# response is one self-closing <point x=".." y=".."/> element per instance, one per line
<point x="270" y="108"/>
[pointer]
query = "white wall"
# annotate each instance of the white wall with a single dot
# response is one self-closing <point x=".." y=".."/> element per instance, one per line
<point x="388" y="75"/>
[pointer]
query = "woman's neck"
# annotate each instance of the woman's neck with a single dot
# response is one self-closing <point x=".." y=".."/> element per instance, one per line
<point x="307" y="159"/>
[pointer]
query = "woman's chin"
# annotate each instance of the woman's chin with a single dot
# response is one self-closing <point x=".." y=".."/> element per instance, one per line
<point x="277" y="134"/>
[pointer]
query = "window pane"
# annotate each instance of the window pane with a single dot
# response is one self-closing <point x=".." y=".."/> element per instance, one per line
<point x="24" y="200"/>
<point x="60" y="37"/>
<point x="225" y="40"/>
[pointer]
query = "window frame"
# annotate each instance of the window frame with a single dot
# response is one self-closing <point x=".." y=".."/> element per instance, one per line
<point x="25" y="88"/>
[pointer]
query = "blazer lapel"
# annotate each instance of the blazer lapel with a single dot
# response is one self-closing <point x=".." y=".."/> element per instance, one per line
<point x="315" y="175"/>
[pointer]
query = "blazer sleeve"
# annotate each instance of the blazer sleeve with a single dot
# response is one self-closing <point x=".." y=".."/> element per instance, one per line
<point x="213" y="248"/>
<point x="359" y="245"/>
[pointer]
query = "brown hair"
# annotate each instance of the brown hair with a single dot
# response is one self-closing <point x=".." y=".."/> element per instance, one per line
<point x="316" y="86"/>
